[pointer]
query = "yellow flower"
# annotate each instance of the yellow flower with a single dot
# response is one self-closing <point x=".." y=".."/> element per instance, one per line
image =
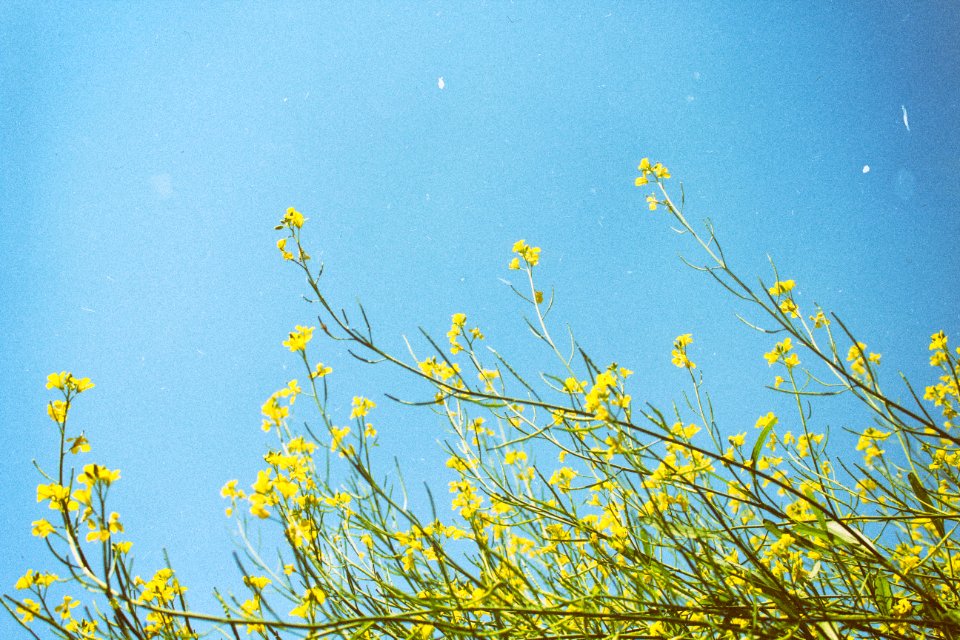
<point x="652" y="202"/>
<point x="781" y="287"/>
<point x="299" y="445"/>
<point x="57" y="410"/>
<point x="768" y="420"/>
<point x="80" y="444"/>
<point x="311" y="599"/>
<point x="29" y="609"/>
<point x="819" y="320"/>
<point x="645" y="168"/>
<point x="530" y="255"/>
<point x="789" y="307"/>
<point x="738" y="439"/>
<point x="679" y="352"/>
<point x="256" y="583"/>
<point x="338" y="434"/>
<point x="64" y="608"/>
<point x="513" y="457"/>
<point x="938" y="341"/>
<point x="58" y="496"/>
<point x="562" y="478"/>
<point x="292" y="218"/>
<point x="320" y="371"/>
<point x="95" y="473"/>
<point x="26" y="581"/>
<point x="361" y="406"/>
<point x="779" y="352"/>
<point x="299" y="338"/>
<point x="282" y="246"/>
<point x="58" y="380"/>
<point x="41" y="528"/>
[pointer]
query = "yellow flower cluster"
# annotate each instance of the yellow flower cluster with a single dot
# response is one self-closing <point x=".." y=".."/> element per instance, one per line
<point x="856" y="355"/>
<point x="782" y="353"/>
<point x="529" y="255"/>
<point x="868" y="442"/>
<point x="299" y="337"/>
<point x="292" y="219"/>
<point x="31" y="578"/>
<point x="605" y="394"/>
<point x="658" y="171"/>
<point x="437" y="370"/>
<point x="312" y="599"/>
<point x="679" y="352"/>
<point x="162" y="588"/>
<point x="946" y="393"/>
<point x="274" y="413"/>
<point x="65" y="381"/>
<point x="361" y="407"/>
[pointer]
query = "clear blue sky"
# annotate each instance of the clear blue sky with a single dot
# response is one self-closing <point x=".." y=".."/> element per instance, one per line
<point x="148" y="149"/>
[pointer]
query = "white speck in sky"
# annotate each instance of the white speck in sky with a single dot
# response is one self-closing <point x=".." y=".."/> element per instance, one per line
<point x="906" y="122"/>
<point x="162" y="185"/>
<point x="866" y="168"/>
<point x="87" y="309"/>
<point x="440" y="83"/>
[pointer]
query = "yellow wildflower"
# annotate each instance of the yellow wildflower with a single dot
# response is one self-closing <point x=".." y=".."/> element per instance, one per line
<point x="299" y="338"/>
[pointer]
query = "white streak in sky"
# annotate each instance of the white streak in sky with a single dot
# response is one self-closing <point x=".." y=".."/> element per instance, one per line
<point x="906" y="122"/>
<point x="440" y="83"/>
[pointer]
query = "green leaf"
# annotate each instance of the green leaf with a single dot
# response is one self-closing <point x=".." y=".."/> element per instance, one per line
<point x="761" y="439"/>
<point x="924" y="498"/>
<point x="882" y="593"/>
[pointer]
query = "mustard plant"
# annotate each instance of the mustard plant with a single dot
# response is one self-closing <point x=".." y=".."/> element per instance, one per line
<point x="574" y="510"/>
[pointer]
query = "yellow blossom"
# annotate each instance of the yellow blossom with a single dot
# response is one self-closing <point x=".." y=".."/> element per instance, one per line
<point x="321" y="370"/>
<point x="256" y="582"/>
<point x="781" y="287"/>
<point x="28" y="611"/>
<point x="679" y="352"/>
<point x="766" y="421"/>
<point x="789" y="307"/>
<point x="530" y="255"/>
<point x="80" y="444"/>
<point x="292" y="219"/>
<point x="819" y="320"/>
<point x="57" y="410"/>
<point x="41" y="528"/>
<point x="361" y="406"/>
<point x="299" y="338"/>
<point x="282" y="246"/>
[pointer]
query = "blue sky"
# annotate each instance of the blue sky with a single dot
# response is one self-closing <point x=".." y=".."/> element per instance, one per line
<point x="148" y="151"/>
